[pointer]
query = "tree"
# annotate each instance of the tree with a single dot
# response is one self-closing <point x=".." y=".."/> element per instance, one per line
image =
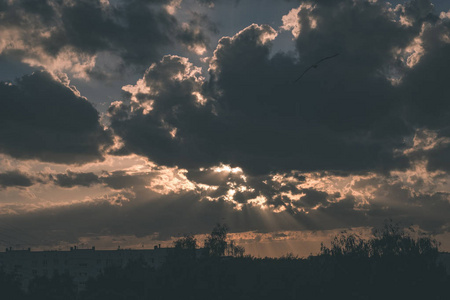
<point x="187" y="242"/>
<point x="347" y="245"/>
<point x="216" y="242"/>
<point x="235" y="250"/>
<point x="391" y="240"/>
<point x="185" y="247"/>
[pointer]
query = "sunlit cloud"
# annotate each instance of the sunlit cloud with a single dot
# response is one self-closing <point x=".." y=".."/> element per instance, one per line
<point x="294" y="20"/>
<point x="173" y="6"/>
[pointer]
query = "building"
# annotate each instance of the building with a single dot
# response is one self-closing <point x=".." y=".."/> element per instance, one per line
<point x="444" y="259"/>
<point x="80" y="264"/>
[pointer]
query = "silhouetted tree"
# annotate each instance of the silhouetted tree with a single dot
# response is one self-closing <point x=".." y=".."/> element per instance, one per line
<point x="391" y="240"/>
<point x="188" y="242"/>
<point x="405" y="266"/>
<point x="347" y="245"/>
<point x="216" y="242"/>
<point x="185" y="248"/>
<point x="235" y="250"/>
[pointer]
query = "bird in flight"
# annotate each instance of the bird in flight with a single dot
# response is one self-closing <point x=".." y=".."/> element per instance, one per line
<point x="314" y="66"/>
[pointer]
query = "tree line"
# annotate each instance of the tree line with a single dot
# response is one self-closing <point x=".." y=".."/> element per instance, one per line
<point x="390" y="265"/>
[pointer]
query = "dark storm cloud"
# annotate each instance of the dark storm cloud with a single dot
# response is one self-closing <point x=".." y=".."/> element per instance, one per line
<point x="136" y="31"/>
<point x="313" y="198"/>
<point x="349" y="115"/>
<point x="396" y="201"/>
<point x="121" y="180"/>
<point x="439" y="158"/>
<point x="212" y="2"/>
<point x="43" y="118"/>
<point x="72" y="179"/>
<point x="133" y="29"/>
<point x="427" y="90"/>
<point x="146" y="123"/>
<point x="341" y="116"/>
<point x="15" y="179"/>
<point x="118" y="180"/>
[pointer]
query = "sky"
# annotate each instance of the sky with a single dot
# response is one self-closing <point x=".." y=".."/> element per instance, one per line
<point x="131" y="123"/>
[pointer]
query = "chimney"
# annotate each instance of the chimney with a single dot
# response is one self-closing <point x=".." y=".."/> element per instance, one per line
<point x="159" y="246"/>
<point x="93" y="248"/>
<point x="156" y="247"/>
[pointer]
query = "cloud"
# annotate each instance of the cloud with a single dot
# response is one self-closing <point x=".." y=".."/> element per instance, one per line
<point x="211" y="3"/>
<point x="427" y="92"/>
<point x="194" y="34"/>
<point x="141" y="214"/>
<point x="161" y="203"/>
<point x="351" y="114"/>
<point x="255" y="117"/>
<point x="75" y="36"/>
<point x="164" y="105"/>
<point x="72" y="179"/>
<point x="15" y="179"/>
<point x="44" y="118"/>
<point x="122" y="180"/>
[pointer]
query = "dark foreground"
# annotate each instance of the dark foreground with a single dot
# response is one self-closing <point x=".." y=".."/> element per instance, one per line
<point x="389" y="266"/>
